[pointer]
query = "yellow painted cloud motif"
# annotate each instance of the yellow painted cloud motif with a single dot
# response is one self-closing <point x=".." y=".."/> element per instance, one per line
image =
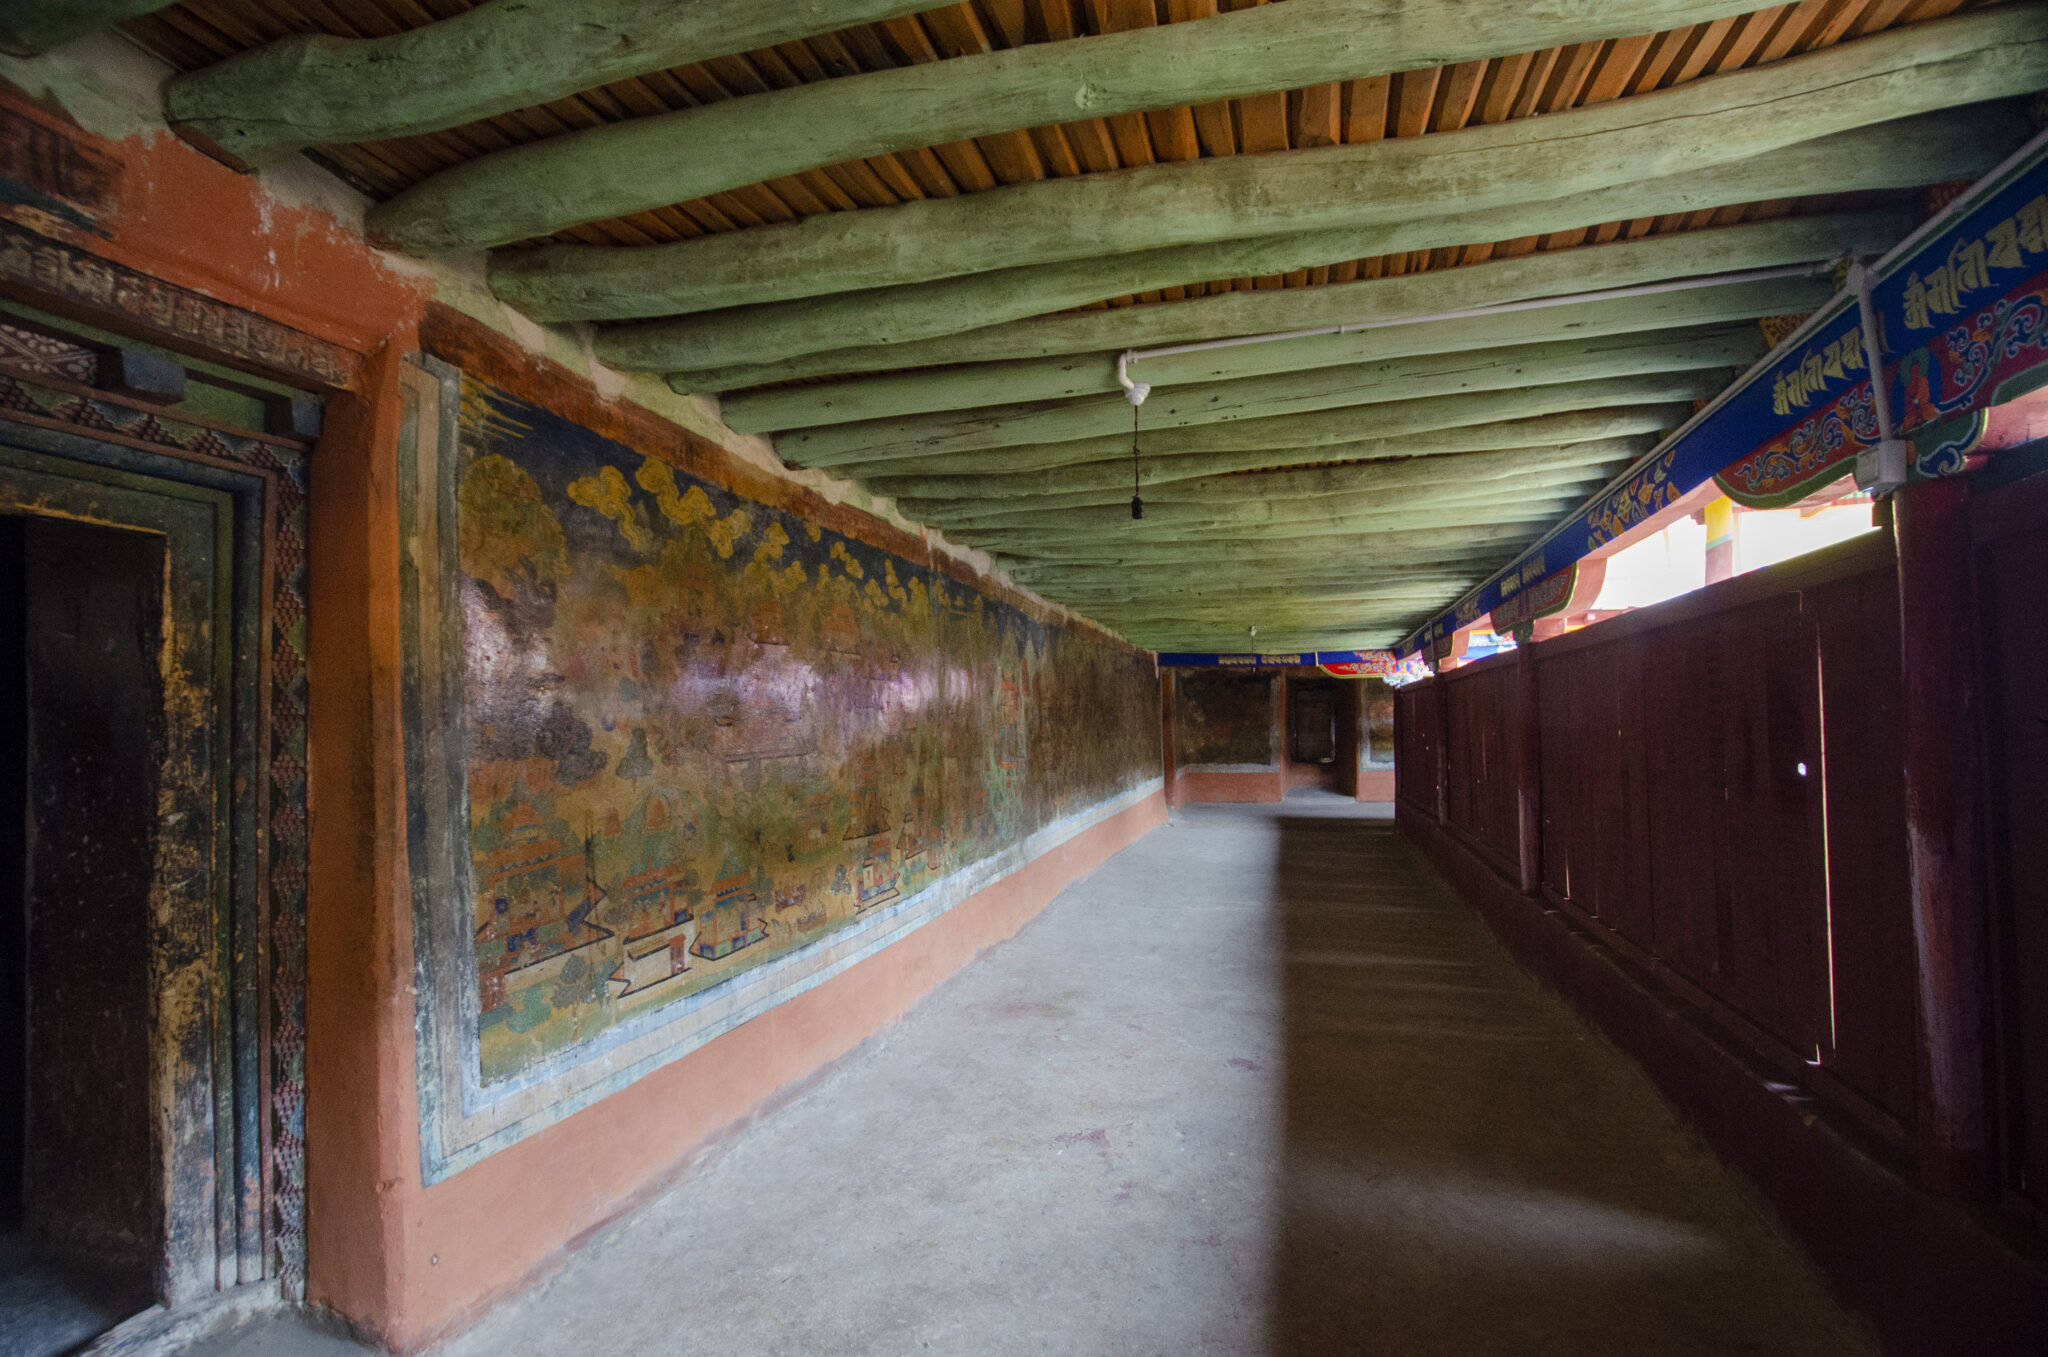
<point x="692" y="507"/>
<point x="607" y="493"/>
<point x="508" y="533"/>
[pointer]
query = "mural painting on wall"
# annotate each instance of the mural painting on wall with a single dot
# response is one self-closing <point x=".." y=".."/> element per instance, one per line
<point x="702" y="732"/>
<point x="1223" y="718"/>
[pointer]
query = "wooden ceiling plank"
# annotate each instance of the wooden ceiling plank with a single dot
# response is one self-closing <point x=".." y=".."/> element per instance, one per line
<point x="1568" y="77"/>
<point x="998" y="483"/>
<point x="1317" y="115"/>
<point x="982" y="300"/>
<point x="1986" y="56"/>
<point x="966" y="166"/>
<point x="1066" y="377"/>
<point x="1007" y="21"/>
<point x="929" y="172"/>
<point x="476" y="52"/>
<point x="1878" y="15"/>
<point x="1457" y="95"/>
<point x="1390" y="420"/>
<point x="1619" y="65"/>
<point x="1713" y="348"/>
<point x="1365" y="109"/>
<point x="1534" y="81"/>
<point x="1054" y="151"/>
<point x="1750" y="35"/>
<point x="625" y="167"/>
<point x="1414" y="98"/>
<point x="1092" y="145"/>
<point x="1058" y="19"/>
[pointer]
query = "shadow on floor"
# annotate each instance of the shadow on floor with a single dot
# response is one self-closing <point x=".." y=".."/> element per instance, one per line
<point x="51" y="1304"/>
<point x="1465" y="1168"/>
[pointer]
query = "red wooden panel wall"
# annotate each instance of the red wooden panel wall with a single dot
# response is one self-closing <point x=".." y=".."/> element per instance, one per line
<point x="1721" y="795"/>
<point x="2012" y="562"/>
<point x="1480" y="777"/>
<point x="1415" y="747"/>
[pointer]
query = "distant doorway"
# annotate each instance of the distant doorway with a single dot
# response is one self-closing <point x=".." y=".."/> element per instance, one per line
<point x="1313" y="742"/>
<point x="80" y="741"/>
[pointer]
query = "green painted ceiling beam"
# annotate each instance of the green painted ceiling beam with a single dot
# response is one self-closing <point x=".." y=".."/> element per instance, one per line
<point x="621" y="168"/>
<point x="29" y="27"/>
<point x="1007" y="308"/>
<point x="1690" y="128"/>
<point x="1456" y="469"/>
<point x="1321" y="428"/>
<point x="1115" y="475"/>
<point x="1105" y="600"/>
<point x="1278" y="483"/>
<point x="1515" y="367"/>
<point x="1388" y="502"/>
<point x="1221" y="533"/>
<point x="316" y="90"/>
<point x="1038" y="470"/>
<point x="1112" y="553"/>
<point x="1048" y="379"/>
<point x="1191" y="522"/>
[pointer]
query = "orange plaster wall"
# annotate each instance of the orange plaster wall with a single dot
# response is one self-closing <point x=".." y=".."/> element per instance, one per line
<point x="1196" y="784"/>
<point x="1375" y="784"/>
<point x="179" y="216"/>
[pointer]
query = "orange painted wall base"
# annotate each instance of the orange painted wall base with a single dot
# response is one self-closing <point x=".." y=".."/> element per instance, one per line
<point x="494" y="1229"/>
<point x="1375" y="784"/>
<point x="1195" y="784"/>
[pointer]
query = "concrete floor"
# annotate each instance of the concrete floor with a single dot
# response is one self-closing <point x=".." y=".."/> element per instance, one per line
<point x="1259" y="1085"/>
<point x="51" y="1304"/>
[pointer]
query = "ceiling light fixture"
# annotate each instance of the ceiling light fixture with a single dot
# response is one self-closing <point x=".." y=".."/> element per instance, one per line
<point x="1135" y="393"/>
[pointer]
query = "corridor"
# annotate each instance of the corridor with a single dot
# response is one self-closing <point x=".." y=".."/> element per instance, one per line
<point x="1259" y="1084"/>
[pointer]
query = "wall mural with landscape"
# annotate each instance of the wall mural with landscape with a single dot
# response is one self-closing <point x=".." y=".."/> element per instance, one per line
<point x="1222" y="718"/>
<point x="700" y="733"/>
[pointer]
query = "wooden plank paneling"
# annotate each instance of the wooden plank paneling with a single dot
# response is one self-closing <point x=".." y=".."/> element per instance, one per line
<point x="1872" y="1038"/>
<point x="2010" y="569"/>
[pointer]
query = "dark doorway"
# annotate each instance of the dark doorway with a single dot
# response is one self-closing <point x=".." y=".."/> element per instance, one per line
<point x="80" y="746"/>
<point x="1312" y="721"/>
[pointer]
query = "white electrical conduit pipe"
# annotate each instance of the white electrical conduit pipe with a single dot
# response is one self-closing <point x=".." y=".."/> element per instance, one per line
<point x="1135" y="391"/>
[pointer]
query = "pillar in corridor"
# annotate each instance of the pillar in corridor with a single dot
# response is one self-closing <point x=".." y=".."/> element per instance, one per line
<point x="1942" y="703"/>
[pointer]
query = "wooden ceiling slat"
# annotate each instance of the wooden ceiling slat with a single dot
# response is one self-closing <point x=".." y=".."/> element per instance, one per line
<point x="1569" y="76"/>
<point x="1457" y="95"/>
<point x="1878" y="14"/>
<point x="896" y="177"/>
<point x="862" y="184"/>
<point x="1414" y="99"/>
<point x="1533" y="82"/>
<point x="1365" y="109"/>
<point x="1619" y="68"/>
<point x="1503" y="82"/>
<point x="1317" y="116"/>
<point x="1007" y="21"/>
<point x="1054" y="152"/>
<point x="1133" y="134"/>
<point x="1056" y="18"/>
<point x="1261" y="123"/>
<point x="1092" y="145"/>
<point x="966" y="165"/>
<point x="930" y="173"/>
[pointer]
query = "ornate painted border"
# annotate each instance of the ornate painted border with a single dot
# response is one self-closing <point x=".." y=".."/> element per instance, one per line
<point x="39" y="400"/>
